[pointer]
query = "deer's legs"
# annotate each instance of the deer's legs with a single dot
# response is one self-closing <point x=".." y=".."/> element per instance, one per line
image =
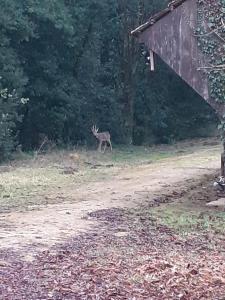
<point x="105" y="145"/>
<point x="110" y="144"/>
<point x="100" y="146"/>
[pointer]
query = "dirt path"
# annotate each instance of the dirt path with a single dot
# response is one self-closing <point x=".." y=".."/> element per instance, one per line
<point x="42" y="228"/>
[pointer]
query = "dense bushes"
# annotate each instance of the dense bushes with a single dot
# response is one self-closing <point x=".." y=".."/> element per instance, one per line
<point x="10" y="118"/>
<point x="78" y="65"/>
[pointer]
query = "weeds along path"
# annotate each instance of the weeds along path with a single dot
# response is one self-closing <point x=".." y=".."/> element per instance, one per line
<point x="130" y="186"/>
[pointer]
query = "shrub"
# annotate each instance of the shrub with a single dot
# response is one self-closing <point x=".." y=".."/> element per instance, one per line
<point x="9" y="118"/>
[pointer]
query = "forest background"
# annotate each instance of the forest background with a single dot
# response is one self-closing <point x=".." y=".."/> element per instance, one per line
<point x="68" y="64"/>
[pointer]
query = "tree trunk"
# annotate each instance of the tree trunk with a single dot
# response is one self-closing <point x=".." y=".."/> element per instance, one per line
<point x="128" y="65"/>
<point x="127" y="74"/>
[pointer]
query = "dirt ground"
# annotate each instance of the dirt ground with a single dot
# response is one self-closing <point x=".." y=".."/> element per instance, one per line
<point x="127" y="187"/>
<point x="115" y="230"/>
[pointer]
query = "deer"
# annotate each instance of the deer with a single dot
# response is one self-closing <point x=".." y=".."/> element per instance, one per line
<point x="102" y="137"/>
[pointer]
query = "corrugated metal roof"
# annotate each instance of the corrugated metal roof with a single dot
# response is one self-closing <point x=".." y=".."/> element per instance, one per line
<point x="171" y="6"/>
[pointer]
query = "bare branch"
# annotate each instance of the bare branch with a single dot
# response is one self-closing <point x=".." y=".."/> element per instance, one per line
<point x="218" y="67"/>
<point x="211" y="32"/>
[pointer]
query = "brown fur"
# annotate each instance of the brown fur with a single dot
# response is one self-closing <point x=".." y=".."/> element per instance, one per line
<point x="103" y="137"/>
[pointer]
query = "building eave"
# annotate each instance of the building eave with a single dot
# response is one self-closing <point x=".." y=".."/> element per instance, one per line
<point x="171" y="6"/>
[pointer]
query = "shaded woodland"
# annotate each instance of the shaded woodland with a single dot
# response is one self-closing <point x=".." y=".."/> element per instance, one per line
<point x="66" y="65"/>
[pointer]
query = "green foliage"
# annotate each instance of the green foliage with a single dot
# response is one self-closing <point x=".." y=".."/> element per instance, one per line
<point x="78" y="64"/>
<point x="9" y="118"/>
<point x="211" y="32"/>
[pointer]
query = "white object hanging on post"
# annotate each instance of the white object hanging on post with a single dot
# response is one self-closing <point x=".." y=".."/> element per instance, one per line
<point x="152" y="62"/>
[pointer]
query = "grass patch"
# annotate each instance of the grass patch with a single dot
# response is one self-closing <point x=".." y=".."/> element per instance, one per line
<point x="186" y="221"/>
<point x="136" y="155"/>
<point x="29" y="181"/>
<point x="23" y="187"/>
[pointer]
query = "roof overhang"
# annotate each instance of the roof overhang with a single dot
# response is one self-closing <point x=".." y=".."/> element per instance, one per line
<point x="171" y="6"/>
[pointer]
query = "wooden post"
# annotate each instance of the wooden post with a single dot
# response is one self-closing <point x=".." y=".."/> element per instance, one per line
<point x="222" y="165"/>
<point x="152" y="63"/>
<point x="223" y="161"/>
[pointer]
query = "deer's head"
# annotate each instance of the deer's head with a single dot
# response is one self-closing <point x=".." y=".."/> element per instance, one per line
<point x="94" y="130"/>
